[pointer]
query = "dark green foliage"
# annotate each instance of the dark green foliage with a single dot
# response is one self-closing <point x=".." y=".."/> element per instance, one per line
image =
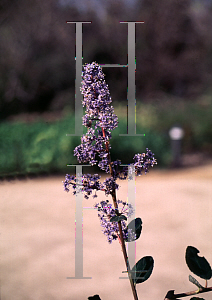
<point x="198" y="265"/>
<point x="197" y="298"/>
<point x="95" y="297"/>
<point x="118" y="218"/>
<point x="143" y="269"/>
<point x="136" y="226"/>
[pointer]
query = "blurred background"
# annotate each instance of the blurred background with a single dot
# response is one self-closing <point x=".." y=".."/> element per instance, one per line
<point x="37" y="105"/>
<point x="37" y="82"/>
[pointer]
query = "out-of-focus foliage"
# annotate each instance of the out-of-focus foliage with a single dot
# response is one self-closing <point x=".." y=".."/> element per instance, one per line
<point x="175" y="47"/>
<point x="42" y="146"/>
<point x="37" y="50"/>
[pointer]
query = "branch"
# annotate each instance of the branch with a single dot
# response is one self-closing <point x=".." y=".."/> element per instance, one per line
<point x="171" y="295"/>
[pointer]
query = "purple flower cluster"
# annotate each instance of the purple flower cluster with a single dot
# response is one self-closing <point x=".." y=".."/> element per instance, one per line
<point x="119" y="173"/>
<point x="88" y="184"/>
<point x="110" y="185"/>
<point x="99" y="118"/>
<point x="111" y="229"/>
<point x="144" y="161"/>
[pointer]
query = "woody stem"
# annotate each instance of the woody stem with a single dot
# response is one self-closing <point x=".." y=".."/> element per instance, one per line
<point x="113" y="194"/>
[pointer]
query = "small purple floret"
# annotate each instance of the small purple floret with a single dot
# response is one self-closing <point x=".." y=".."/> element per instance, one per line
<point x="144" y="161"/>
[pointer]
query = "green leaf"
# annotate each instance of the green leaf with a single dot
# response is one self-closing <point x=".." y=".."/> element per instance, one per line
<point x="118" y="218"/>
<point x="143" y="269"/>
<point x="196" y="298"/>
<point x="136" y="226"/>
<point x="196" y="264"/>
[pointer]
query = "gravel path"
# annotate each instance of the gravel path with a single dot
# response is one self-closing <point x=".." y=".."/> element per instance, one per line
<point x="38" y="238"/>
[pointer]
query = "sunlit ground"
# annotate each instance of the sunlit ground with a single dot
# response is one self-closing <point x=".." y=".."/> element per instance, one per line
<point x="38" y="238"/>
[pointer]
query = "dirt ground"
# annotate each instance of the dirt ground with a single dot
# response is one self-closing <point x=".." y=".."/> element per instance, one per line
<point x="38" y="238"/>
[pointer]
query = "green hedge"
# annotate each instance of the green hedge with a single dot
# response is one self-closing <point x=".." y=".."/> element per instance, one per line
<point x="36" y="147"/>
<point x="44" y="147"/>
